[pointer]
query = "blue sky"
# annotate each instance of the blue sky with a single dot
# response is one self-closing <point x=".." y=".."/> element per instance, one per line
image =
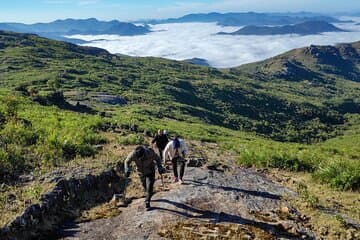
<point x="47" y="10"/>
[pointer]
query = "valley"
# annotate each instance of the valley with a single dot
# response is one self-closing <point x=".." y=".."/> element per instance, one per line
<point x="66" y="108"/>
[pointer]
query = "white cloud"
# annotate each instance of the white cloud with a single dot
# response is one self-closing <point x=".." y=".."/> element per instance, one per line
<point x="189" y="40"/>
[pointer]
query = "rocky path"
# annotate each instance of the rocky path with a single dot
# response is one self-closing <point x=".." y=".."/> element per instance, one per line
<point x="237" y="204"/>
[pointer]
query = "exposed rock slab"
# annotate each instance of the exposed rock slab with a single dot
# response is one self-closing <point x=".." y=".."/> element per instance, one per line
<point x="241" y="197"/>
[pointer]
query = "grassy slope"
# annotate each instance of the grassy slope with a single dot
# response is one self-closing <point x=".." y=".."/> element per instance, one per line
<point x="240" y="109"/>
<point x="293" y="97"/>
<point x="186" y="92"/>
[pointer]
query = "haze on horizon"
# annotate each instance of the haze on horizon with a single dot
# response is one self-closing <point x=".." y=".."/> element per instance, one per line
<point x="50" y="10"/>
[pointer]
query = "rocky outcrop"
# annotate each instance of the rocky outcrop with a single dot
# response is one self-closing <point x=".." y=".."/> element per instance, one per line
<point x="62" y="203"/>
<point x="235" y="204"/>
<point x="110" y="99"/>
<point x="294" y="71"/>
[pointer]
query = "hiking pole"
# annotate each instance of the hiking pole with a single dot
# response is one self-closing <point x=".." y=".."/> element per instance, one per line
<point x="163" y="185"/>
<point x="162" y="181"/>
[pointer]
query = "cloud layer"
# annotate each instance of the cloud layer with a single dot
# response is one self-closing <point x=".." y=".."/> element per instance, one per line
<point x="189" y="40"/>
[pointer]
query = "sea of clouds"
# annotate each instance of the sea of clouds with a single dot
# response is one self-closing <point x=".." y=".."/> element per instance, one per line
<point x="181" y="41"/>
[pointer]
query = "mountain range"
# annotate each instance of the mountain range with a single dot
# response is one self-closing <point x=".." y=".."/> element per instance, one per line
<point x="265" y="111"/>
<point x="59" y="29"/>
<point x="305" y="28"/>
<point x="70" y="114"/>
<point x="318" y="84"/>
<point x="249" y="18"/>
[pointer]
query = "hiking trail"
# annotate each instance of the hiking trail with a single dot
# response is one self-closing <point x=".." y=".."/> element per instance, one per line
<point x="237" y="203"/>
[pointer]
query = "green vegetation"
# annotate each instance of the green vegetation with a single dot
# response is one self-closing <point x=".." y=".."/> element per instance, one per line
<point x="315" y="202"/>
<point x="32" y="136"/>
<point x="309" y="198"/>
<point x="132" y="139"/>
<point x="298" y="111"/>
<point x="335" y="161"/>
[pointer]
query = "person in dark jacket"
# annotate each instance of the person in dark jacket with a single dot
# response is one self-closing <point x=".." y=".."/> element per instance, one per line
<point x="161" y="141"/>
<point x="145" y="159"/>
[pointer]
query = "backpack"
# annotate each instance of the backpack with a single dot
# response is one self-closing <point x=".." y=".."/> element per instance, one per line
<point x="140" y="151"/>
<point x="176" y="143"/>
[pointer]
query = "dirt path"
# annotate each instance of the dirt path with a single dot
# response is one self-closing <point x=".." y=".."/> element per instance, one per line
<point x="239" y="204"/>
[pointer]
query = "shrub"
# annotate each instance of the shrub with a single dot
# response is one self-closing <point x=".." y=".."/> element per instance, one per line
<point x="289" y="160"/>
<point x="16" y="133"/>
<point x="132" y="139"/>
<point x="250" y="158"/>
<point x="310" y="199"/>
<point x="69" y="150"/>
<point x="85" y="150"/>
<point x="12" y="105"/>
<point x="50" y="151"/>
<point x="2" y="119"/>
<point x="342" y="174"/>
<point x="93" y="138"/>
<point x="12" y="161"/>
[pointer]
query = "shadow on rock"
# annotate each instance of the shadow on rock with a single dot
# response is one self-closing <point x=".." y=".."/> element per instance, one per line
<point x="249" y="192"/>
<point x="69" y="229"/>
<point x="214" y="217"/>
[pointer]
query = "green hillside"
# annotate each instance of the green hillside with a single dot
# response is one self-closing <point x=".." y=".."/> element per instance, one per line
<point x="298" y="111"/>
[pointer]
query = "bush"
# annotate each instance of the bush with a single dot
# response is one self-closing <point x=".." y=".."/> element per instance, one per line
<point x="310" y="199"/>
<point x="93" y="138"/>
<point x="12" y="105"/>
<point x="340" y="174"/>
<point x="85" y="150"/>
<point x="16" y="141"/>
<point x="69" y="150"/>
<point x="250" y="158"/>
<point x="2" y="119"/>
<point x="289" y="160"/>
<point x="132" y="139"/>
<point x="12" y="161"/>
<point x="16" y="133"/>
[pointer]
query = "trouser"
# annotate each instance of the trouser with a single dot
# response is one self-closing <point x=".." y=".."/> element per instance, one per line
<point x="148" y="184"/>
<point x="181" y="162"/>
<point x="161" y="151"/>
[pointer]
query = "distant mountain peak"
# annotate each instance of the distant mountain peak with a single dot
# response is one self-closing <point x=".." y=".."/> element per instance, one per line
<point x="248" y="18"/>
<point x="304" y="28"/>
<point x="90" y="26"/>
<point x="198" y="61"/>
<point x="317" y="64"/>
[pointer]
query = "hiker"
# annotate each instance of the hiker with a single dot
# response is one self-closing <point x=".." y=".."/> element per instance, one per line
<point x="176" y="151"/>
<point x="160" y="140"/>
<point x="145" y="159"/>
<point x="166" y="133"/>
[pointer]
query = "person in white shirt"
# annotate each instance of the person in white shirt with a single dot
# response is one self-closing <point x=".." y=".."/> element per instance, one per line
<point x="176" y="150"/>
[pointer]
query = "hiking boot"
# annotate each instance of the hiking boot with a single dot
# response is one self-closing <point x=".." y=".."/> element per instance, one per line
<point x="176" y="179"/>
<point x="147" y="205"/>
